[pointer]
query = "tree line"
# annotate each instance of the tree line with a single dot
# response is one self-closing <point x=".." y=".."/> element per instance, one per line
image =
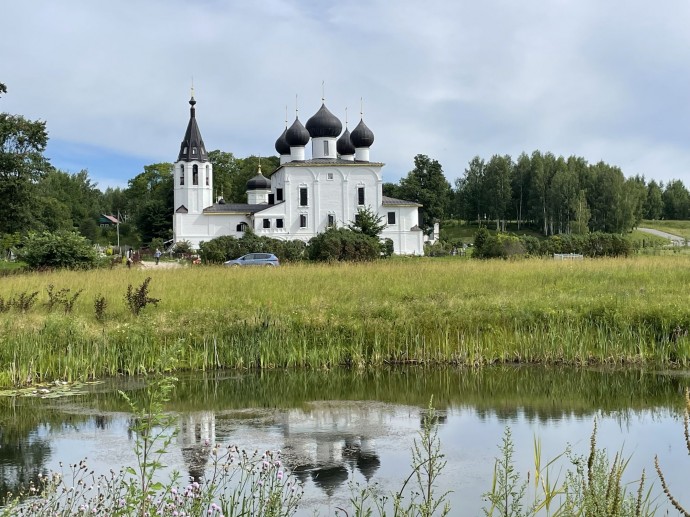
<point x="553" y="194"/>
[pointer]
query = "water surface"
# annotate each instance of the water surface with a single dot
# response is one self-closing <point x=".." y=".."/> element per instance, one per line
<point x="341" y="427"/>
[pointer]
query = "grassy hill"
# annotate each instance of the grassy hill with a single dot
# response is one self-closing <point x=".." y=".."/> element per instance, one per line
<point x="680" y="228"/>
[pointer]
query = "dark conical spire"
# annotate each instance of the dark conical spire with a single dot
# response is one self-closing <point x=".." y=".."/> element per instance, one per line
<point x="192" y="147"/>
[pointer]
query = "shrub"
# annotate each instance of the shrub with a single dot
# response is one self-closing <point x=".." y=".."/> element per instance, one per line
<point x="387" y="247"/>
<point x="138" y="298"/>
<point x="500" y="245"/>
<point x="220" y="249"/>
<point x="60" y="249"/>
<point x="341" y="244"/>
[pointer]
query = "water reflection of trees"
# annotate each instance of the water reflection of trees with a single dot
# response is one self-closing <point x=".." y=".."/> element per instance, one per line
<point x="25" y="441"/>
<point x="538" y="393"/>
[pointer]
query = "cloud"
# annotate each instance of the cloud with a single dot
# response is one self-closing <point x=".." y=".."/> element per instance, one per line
<point x="451" y="79"/>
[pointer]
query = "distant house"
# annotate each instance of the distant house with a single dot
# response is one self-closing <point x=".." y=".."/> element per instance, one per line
<point x="302" y="197"/>
<point x="107" y="221"/>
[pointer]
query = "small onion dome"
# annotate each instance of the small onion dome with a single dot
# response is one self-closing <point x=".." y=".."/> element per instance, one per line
<point x="324" y="124"/>
<point x="297" y="135"/>
<point x="282" y="146"/>
<point x="362" y="136"/>
<point x="344" y="144"/>
<point x="259" y="182"/>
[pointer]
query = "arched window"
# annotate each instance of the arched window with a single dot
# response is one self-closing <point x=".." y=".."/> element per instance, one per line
<point x="242" y="227"/>
<point x="195" y="175"/>
<point x="208" y="175"/>
<point x="181" y="174"/>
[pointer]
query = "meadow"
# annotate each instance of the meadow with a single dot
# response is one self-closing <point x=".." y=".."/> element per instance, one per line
<point x="433" y="311"/>
<point x="680" y="228"/>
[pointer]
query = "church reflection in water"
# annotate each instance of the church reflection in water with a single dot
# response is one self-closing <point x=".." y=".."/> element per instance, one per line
<point x="327" y="444"/>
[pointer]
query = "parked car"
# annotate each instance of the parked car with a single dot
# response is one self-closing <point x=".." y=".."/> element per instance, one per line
<point x="255" y="259"/>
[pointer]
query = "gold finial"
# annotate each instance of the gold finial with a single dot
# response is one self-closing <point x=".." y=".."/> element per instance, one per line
<point x="361" y="107"/>
<point x="323" y="91"/>
<point x="260" y="165"/>
<point x="296" y="107"/>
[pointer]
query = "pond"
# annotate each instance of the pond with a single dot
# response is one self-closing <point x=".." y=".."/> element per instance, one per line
<point x="339" y="427"/>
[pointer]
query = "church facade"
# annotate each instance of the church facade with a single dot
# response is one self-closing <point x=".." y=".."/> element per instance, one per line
<point x="302" y="197"/>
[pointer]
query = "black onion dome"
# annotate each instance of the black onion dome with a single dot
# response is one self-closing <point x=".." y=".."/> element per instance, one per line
<point x="344" y="144"/>
<point x="259" y="182"/>
<point x="297" y="135"/>
<point x="282" y="146"/>
<point x="362" y="136"/>
<point x="324" y="124"/>
<point x="192" y="146"/>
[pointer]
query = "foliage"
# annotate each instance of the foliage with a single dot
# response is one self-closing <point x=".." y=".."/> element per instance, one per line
<point x="23" y="301"/>
<point x="368" y="222"/>
<point x="427" y="185"/>
<point x="664" y="485"/>
<point x="137" y="299"/>
<point x="592" y="245"/>
<point x="387" y="247"/>
<point x="555" y="194"/>
<point x="69" y="201"/>
<point x="500" y="245"/>
<point x="150" y="197"/>
<point x="236" y="486"/>
<point x="100" y="304"/>
<point x="536" y="311"/>
<point x="182" y="248"/>
<point x="221" y="249"/>
<point x="61" y="249"/>
<point x="595" y="486"/>
<point x="342" y="244"/>
<point x="22" y="143"/>
<point x="507" y="490"/>
<point x="592" y="486"/>
<point x="62" y="297"/>
<point x="420" y="497"/>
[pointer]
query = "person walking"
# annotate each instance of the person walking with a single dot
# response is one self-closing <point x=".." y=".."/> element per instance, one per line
<point x="157" y="255"/>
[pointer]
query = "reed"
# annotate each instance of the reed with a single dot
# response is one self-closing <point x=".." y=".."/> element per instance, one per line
<point x="401" y="311"/>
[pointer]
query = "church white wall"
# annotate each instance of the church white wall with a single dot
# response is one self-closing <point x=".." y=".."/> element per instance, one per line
<point x="197" y="228"/>
<point x="331" y="191"/>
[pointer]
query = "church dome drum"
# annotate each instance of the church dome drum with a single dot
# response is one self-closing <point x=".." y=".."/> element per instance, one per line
<point x="323" y="124"/>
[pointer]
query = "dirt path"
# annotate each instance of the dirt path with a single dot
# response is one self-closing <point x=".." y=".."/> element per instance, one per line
<point x="676" y="240"/>
<point x="161" y="265"/>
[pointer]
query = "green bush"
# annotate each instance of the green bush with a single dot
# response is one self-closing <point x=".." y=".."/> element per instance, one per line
<point x="500" y="245"/>
<point x="61" y="249"/>
<point x="341" y="244"/>
<point x="220" y="249"/>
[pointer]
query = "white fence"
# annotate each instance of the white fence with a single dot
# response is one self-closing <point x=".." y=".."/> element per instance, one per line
<point x="567" y="256"/>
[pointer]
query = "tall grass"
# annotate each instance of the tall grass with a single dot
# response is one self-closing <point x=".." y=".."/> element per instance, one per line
<point x="417" y="311"/>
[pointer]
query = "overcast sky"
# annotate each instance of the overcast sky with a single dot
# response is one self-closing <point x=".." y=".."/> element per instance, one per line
<point x="452" y="79"/>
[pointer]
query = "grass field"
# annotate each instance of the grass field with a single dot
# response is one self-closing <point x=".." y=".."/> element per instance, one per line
<point x="423" y="310"/>
<point x="680" y="228"/>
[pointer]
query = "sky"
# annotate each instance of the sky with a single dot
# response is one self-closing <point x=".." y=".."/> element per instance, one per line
<point x="451" y="79"/>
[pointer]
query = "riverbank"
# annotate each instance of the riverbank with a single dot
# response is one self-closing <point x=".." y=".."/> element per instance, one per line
<point x="408" y="311"/>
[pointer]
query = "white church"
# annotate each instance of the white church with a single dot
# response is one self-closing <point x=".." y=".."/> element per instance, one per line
<point x="302" y="197"/>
